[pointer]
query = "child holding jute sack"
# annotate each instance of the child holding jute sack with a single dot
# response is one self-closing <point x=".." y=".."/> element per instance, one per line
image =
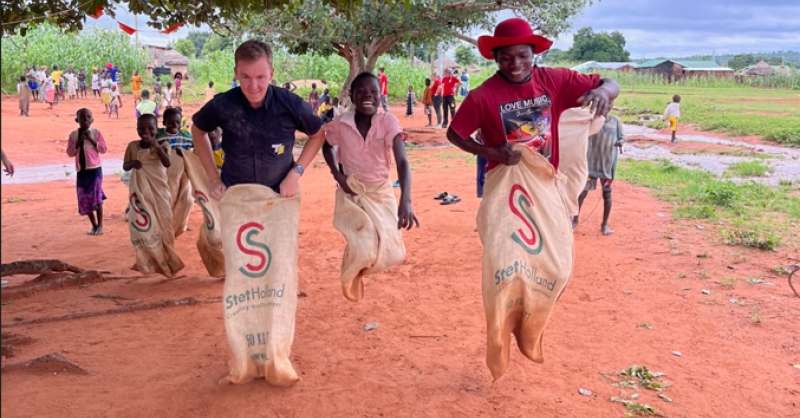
<point x="367" y="213"/>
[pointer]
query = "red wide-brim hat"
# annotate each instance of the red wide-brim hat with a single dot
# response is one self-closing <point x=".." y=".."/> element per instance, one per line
<point x="510" y="32"/>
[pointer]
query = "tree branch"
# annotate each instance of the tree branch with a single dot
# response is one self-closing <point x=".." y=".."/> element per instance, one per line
<point x="465" y="5"/>
<point x="465" y="38"/>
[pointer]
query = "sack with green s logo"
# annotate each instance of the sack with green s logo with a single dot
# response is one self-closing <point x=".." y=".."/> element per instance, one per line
<point x="150" y="217"/>
<point x="209" y="240"/>
<point x="259" y="237"/>
<point x="368" y="222"/>
<point x="527" y="255"/>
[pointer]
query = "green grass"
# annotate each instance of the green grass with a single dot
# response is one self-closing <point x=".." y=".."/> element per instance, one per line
<point x="751" y="168"/>
<point x="752" y="214"/>
<point x="772" y="113"/>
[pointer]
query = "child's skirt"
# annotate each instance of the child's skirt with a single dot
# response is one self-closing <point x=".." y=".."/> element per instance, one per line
<point x="90" y="190"/>
<point x="50" y="96"/>
<point x="106" y="99"/>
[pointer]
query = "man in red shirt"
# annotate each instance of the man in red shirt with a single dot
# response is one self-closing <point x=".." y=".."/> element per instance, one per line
<point x="436" y="96"/>
<point x="449" y="86"/>
<point x="384" y="82"/>
<point x="522" y="103"/>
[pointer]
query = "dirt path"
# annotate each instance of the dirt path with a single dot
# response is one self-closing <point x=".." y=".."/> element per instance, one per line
<point x="426" y="359"/>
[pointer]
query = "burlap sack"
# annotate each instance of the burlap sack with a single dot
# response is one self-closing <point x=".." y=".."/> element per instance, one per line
<point x="368" y="222"/>
<point x="259" y="237"/>
<point x="150" y="218"/>
<point x="574" y="129"/>
<point x="527" y="255"/>
<point x="181" y="200"/>
<point x="209" y="240"/>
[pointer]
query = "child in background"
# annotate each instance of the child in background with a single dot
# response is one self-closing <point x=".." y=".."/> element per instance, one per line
<point x="56" y="76"/>
<point x="172" y="132"/>
<point x="49" y="90"/>
<point x="338" y="110"/>
<point x="210" y="92"/>
<point x="116" y="101"/>
<point x="672" y="113"/>
<point x="427" y="101"/>
<point x="215" y="137"/>
<point x="33" y="84"/>
<point x="168" y="95"/>
<point x="146" y="106"/>
<point x="24" y="96"/>
<point x="86" y="145"/>
<point x="313" y="98"/>
<point x="185" y="124"/>
<point x="178" y="88"/>
<point x="325" y="93"/>
<point x="411" y="101"/>
<point x="325" y="111"/>
<point x="105" y="91"/>
<point x="157" y="87"/>
<point x="233" y="83"/>
<point x="81" y="83"/>
<point x="366" y="141"/>
<point x="95" y="83"/>
<point x="136" y="86"/>
<point x="72" y="84"/>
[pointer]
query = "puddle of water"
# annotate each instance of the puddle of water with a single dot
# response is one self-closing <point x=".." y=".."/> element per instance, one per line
<point x="785" y="167"/>
<point x="46" y="173"/>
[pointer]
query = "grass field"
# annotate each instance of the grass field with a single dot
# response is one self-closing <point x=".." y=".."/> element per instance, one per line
<point x="772" y="113"/>
<point x="749" y="213"/>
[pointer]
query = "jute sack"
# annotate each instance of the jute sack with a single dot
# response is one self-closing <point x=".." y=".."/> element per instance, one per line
<point x="527" y="255"/>
<point x="150" y="217"/>
<point x="574" y="129"/>
<point x="180" y="190"/>
<point x="209" y="240"/>
<point x="259" y="238"/>
<point x="368" y="222"/>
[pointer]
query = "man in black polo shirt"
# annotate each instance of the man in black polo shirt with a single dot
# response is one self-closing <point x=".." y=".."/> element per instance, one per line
<point x="259" y="121"/>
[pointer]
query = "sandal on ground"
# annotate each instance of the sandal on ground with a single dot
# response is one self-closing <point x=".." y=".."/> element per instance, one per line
<point x="440" y="196"/>
<point x="449" y="200"/>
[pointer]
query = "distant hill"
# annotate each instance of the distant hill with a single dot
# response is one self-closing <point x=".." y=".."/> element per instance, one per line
<point x="789" y="56"/>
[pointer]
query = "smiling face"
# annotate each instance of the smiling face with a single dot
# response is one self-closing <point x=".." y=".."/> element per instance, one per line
<point x="84" y="118"/>
<point x="172" y="123"/>
<point x="254" y="78"/>
<point x="147" y="127"/>
<point x="366" y="96"/>
<point x="515" y="62"/>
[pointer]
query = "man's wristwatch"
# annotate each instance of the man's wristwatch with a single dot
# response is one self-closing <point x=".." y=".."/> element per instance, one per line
<point x="299" y="169"/>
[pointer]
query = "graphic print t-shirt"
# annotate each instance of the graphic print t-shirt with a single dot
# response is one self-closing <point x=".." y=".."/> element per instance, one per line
<point x="526" y="113"/>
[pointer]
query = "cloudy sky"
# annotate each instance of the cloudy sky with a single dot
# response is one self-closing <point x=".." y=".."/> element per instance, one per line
<point x="651" y="27"/>
<point x="687" y="27"/>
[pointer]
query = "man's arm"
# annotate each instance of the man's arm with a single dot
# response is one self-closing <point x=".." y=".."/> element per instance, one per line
<point x="602" y="97"/>
<point x="290" y="186"/>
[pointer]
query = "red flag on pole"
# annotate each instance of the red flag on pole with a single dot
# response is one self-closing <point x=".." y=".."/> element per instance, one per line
<point x="127" y="29"/>
<point x="98" y="11"/>
<point x="172" y="28"/>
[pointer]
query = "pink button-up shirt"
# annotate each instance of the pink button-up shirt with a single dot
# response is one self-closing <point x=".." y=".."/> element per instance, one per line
<point x="370" y="160"/>
<point x="91" y="152"/>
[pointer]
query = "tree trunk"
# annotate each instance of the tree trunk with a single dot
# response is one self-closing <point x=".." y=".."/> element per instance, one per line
<point x="357" y="65"/>
<point x="411" y="54"/>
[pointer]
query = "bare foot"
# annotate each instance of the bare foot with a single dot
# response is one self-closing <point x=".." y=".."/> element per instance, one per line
<point x="98" y="230"/>
<point x="606" y="230"/>
<point x="91" y="232"/>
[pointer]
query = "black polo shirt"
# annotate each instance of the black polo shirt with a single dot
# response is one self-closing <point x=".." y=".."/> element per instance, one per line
<point x="257" y="143"/>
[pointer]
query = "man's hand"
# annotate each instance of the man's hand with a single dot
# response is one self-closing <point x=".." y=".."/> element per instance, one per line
<point x="504" y="154"/>
<point x="342" y="180"/>
<point x="600" y="100"/>
<point x="290" y="186"/>
<point x="9" y="168"/>
<point x="405" y="216"/>
<point x="216" y="188"/>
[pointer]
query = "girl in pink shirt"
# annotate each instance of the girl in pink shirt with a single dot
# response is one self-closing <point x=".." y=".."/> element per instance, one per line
<point x="86" y="145"/>
<point x="366" y="140"/>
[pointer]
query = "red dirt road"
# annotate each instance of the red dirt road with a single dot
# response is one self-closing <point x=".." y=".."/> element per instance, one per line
<point x="426" y="358"/>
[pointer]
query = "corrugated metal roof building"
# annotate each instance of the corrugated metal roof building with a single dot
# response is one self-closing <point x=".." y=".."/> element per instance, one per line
<point x="676" y="70"/>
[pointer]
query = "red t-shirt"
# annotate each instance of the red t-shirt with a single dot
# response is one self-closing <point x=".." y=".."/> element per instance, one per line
<point x="523" y="113"/>
<point x="435" y="87"/>
<point x="449" y="84"/>
<point x="384" y="85"/>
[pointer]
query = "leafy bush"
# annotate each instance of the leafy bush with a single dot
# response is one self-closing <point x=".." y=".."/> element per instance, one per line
<point x="751" y="168"/>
